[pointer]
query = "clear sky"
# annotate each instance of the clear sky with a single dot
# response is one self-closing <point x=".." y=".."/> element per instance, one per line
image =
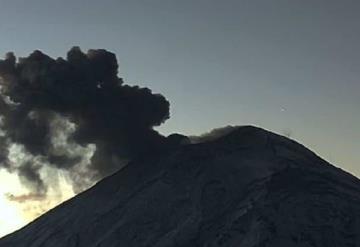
<point x="284" y="65"/>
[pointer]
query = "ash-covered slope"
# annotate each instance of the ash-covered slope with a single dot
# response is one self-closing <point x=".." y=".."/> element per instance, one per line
<point x="250" y="188"/>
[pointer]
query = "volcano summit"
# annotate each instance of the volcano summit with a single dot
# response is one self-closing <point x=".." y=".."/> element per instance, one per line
<point x="249" y="188"/>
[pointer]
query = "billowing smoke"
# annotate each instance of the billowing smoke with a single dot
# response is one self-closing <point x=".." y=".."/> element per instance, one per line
<point x="73" y="114"/>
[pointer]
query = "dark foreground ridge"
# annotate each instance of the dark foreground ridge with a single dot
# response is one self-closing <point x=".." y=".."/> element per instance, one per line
<point x="250" y="188"/>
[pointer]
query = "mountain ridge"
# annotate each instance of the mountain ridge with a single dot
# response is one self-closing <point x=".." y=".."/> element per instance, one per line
<point x="249" y="187"/>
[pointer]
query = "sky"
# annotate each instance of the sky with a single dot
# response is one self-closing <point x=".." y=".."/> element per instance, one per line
<point x="291" y="67"/>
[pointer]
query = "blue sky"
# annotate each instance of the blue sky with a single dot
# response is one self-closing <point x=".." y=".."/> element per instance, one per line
<point x="287" y="66"/>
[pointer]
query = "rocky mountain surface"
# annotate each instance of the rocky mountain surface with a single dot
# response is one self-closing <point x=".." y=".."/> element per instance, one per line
<point x="249" y="188"/>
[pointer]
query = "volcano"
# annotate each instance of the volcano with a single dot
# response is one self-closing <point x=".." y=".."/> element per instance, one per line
<point x="248" y="188"/>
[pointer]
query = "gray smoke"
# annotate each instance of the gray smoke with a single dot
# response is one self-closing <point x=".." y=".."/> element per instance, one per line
<point x="212" y="134"/>
<point x="73" y="114"/>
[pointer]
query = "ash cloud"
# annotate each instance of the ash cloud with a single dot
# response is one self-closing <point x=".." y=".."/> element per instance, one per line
<point x="74" y="114"/>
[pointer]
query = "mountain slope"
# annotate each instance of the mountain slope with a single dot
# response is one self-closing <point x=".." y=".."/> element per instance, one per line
<point x="250" y="188"/>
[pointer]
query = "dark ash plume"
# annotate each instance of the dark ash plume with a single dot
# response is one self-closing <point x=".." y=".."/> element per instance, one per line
<point x="29" y="175"/>
<point x="57" y="108"/>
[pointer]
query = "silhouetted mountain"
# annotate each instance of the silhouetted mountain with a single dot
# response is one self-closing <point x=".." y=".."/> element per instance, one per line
<point x="249" y="188"/>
